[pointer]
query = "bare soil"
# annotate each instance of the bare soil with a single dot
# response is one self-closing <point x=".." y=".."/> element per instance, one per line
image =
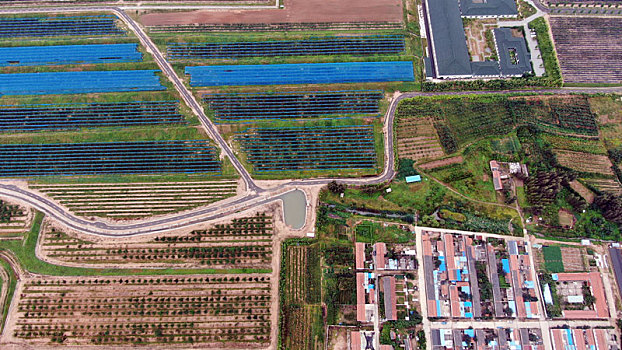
<point x="442" y="162"/>
<point x="296" y="11"/>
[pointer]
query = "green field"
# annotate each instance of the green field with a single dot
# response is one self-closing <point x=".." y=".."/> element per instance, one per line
<point x="553" y="259"/>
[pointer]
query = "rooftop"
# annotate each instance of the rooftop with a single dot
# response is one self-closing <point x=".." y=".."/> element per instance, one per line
<point x="449" y="48"/>
<point x="514" y="58"/>
<point x="488" y="8"/>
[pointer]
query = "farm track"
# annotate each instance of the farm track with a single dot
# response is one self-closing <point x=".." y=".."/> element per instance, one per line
<point x="256" y="195"/>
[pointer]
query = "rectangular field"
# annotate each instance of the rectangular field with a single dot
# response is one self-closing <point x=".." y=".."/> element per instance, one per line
<point x="301" y="325"/>
<point x="304" y="73"/>
<point x="232" y="311"/>
<point x="589" y="48"/>
<point x="309" y="148"/>
<point x="553" y="260"/>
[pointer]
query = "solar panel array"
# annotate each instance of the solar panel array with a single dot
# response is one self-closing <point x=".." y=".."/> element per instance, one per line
<point x="353" y="46"/>
<point x="79" y="82"/>
<point x="236" y="107"/>
<point x="143" y="157"/>
<point x="302" y="73"/>
<point x="59" y="26"/>
<point x="309" y="148"/>
<point x="68" y="54"/>
<point x="22" y="118"/>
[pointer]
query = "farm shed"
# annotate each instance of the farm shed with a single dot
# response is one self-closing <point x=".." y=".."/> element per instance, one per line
<point x="414" y="178"/>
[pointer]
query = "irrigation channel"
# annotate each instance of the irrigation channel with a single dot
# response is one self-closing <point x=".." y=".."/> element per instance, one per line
<point x="256" y="195"/>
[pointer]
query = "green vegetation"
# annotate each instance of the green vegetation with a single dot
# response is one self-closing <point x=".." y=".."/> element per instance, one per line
<point x="301" y="325"/>
<point x="483" y="281"/>
<point x="11" y="283"/>
<point x="24" y="251"/>
<point x="547" y="50"/>
<point x="555" y="309"/>
<point x="372" y="232"/>
<point x="7" y="211"/>
<point x="553" y="259"/>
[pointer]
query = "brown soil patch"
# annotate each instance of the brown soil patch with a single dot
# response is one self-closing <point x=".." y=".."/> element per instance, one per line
<point x="296" y="11"/>
<point x="442" y="162"/>
<point x="583" y="191"/>
<point x="338" y="338"/>
<point x="573" y="259"/>
<point x="566" y="219"/>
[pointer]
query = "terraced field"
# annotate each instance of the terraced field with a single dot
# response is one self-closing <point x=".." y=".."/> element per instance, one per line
<point x="606" y="185"/>
<point x="417" y="139"/>
<point x="136" y="200"/>
<point x="584" y="162"/>
<point x="208" y="310"/>
<point x="241" y="243"/>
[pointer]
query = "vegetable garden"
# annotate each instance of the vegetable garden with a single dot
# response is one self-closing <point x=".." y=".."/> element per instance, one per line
<point x="301" y="325"/>
<point x="242" y="243"/>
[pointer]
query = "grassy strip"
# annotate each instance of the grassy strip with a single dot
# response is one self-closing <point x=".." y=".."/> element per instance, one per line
<point x="25" y="253"/>
<point x="547" y="50"/>
<point x="12" y="282"/>
<point x="146" y="133"/>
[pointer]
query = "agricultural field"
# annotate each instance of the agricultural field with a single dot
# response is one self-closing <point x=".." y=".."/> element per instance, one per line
<point x="553" y="260"/>
<point x="14" y="219"/>
<point x="460" y="120"/>
<point x="585" y="47"/>
<point x="301" y="324"/>
<point x="609" y="110"/>
<point x="584" y="162"/>
<point x="417" y="139"/>
<point x="137" y="200"/>
<point x="216" y="310"/>
<point x="88" y="73"/>
<point x="605" y="185"/>
<point x="244" y="243"/>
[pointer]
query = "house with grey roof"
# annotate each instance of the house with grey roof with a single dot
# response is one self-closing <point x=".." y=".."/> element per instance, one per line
<point x="488" y="8"/>
<point x="448" y="48"/>
<point x="514" y="58"/>
<point x="448" y="54"/>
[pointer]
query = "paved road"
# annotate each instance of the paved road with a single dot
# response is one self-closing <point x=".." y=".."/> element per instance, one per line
<point x="255" y="195"/>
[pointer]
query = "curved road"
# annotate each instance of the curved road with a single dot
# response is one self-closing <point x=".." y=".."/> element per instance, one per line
<point x="255" y="195"/>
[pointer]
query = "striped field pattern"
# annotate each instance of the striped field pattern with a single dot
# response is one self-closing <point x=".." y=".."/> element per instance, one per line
<point x="136" y="200"/>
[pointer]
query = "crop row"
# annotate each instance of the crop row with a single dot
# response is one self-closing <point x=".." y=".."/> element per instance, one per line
<point x="231" y="311"/>
<point x="272" y="27"/>
<point x="243" y="243"/>
<point x="137" y="200"/>
<point x="275" y="149"/>
<point x="352" y="45"/>
<point x="235" y="107"/>
<point x="21" y="118"/>
<point x="58" y="26"/>
<point x="108" y="158"/>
